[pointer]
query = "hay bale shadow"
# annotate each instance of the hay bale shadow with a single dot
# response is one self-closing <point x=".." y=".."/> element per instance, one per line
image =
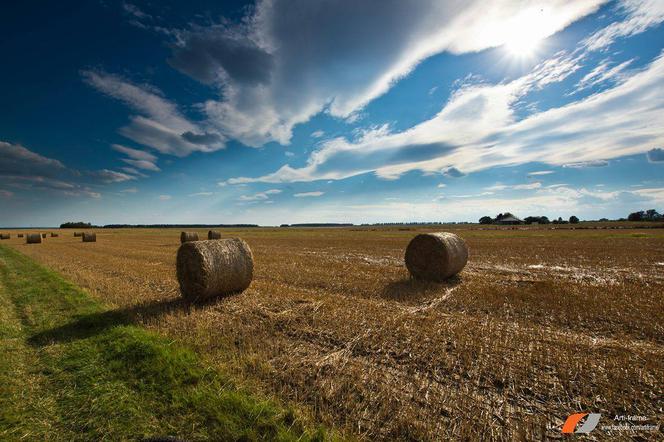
<point x="85" y="326"/>
<point x="408" y="290"/>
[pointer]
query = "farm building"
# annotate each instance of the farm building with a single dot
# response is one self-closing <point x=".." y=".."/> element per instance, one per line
<point x="508" y="219"/>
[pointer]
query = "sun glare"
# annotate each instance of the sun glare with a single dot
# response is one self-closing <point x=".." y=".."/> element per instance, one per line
<point x="526" y="30"/>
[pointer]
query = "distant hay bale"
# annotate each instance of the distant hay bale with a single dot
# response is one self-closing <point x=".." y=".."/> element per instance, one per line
<point x="43" y="235"/>
<point x="77" y="234"/>
<point x="89" y="237"/>
<point x="20" y="235"/>
<point x="188" y="236"/>
<point x="207" y="269"/>
<point x="33" y="238"/>
<point x="4" y="236"/>
<point x="214" y="234"/>
<point x="436" y="256"/>
<point x="54" y="235"/>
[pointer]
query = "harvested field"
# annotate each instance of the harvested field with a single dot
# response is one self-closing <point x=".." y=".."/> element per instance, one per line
<point x="539" y="324"/>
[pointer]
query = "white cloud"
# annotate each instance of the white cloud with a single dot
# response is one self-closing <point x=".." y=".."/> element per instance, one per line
<point x="308" y="194"/>
<point x="585" y="164"/>
<point x="17" y="160"/>
<point x="130" y="190"/>
<point x="541" y="172"/>
<point x="274" y="72"/>
<point x="201" y="194"/>
<point x="112" y="176"/>
<point x="260" y="195"/>
<point x="133" y="172"/>
<point x="441" y="185"/>
<point x="603" y="73"/>
<point x="135" y="11"/>
<point x="656" y="195"/>
<point x="474" y="195"/>
<point x="527" y="186"/>
<point x="165" y="197"/>
<point x="142" y="164"/>
<point x="477" y="130"/>
<point x="640" y="15"/>
<point x="135" y="154"/>
<point x="25" y="170"/>
<point x="317" y="134"/>
<point x="161" y="125"/>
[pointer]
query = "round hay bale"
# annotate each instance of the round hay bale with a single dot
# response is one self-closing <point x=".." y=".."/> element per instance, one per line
<point x="20" y="235"/>
<point x="33" y="238"/>
<point x="43" y="235"/>
<point x="89" y="237"/>
<point x="78" y="234"/>
<point x="436" y="256"/>
<point x="214" y="234"/>
<point x="207" y="269"/>
<point x="4" y="236"/>
<point x="54" y="235"/>
<point x="188" y="236"/>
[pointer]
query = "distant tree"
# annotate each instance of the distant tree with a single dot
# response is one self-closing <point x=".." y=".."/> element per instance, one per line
<point x="536" y="219"/>
<point x="652" y="215"/>
<point x="486" y="220"/>
<point x="75" y="225"/>
<point x="573" y="220"/>
<point x="636" y="216"/>
<point x="603" y="220"/>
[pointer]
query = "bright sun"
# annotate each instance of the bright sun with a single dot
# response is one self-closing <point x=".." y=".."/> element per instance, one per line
<point x="526" y="30"/>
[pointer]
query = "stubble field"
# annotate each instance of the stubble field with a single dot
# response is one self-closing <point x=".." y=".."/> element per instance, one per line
<point x="541" y="323"/>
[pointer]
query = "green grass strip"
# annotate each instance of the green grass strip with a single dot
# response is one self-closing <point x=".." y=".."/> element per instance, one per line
<point x="71" y="370"/>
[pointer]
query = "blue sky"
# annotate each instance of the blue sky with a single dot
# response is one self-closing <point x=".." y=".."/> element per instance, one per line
<point x="302" y="111"/>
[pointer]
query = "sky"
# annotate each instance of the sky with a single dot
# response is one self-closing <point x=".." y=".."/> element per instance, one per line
<point x="296" y="111"/>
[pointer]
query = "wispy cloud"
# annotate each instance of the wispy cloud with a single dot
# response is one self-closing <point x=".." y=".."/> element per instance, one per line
<point x="142" y="164"/>
<point x="135" y="154"/>
<point x="268" y="86"/>
<point x="527" y="186"/>
<point x="133" y="172"/>
<point x="639" y="16"/>
<point x="308" y="194"/>
<point x="260" y="195"/>
<point x="161" y="125"/>
<point x="112" y="176"/>
<point x="585" y="164"/>
<point x="21" y="168"/>
<point x="135" y="11"/>
<point x="165" y="197"/>
<point x="17" y="160"/>
<point x="201" y="194"/>
<point x="477" y="130"/>
<point x="603" y="73"/>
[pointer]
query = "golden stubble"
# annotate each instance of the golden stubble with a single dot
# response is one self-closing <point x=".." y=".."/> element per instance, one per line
<point x="539" y="324"/>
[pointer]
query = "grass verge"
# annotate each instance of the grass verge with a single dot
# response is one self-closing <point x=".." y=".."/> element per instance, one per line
<point x="112" y="381"/>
